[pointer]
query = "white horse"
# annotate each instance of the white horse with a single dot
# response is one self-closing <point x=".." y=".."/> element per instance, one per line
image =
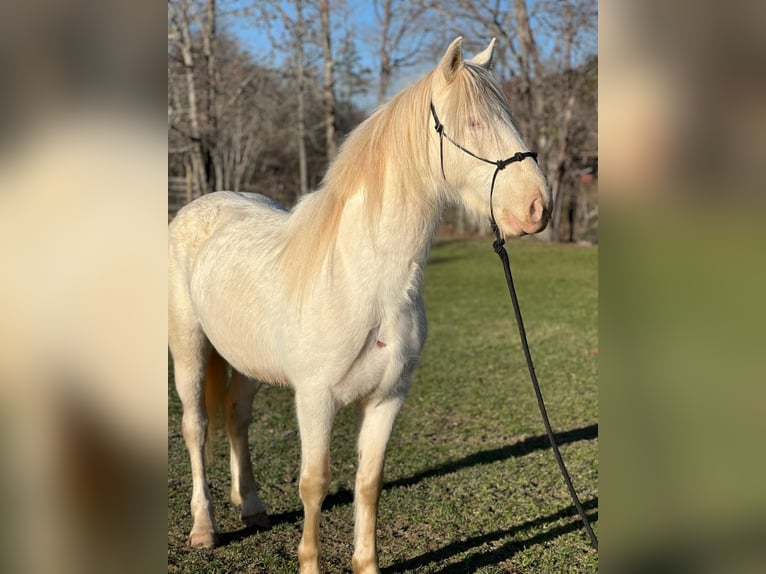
<point x="327" y="298"/>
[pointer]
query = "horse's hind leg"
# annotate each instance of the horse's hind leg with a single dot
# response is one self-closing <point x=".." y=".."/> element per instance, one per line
<point x="239" y="409"/>
<point x="190" y="351"/>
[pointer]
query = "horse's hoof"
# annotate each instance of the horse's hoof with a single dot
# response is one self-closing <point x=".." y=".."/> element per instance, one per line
<point x="259" y="520"/>
<point x="205" y="539"/>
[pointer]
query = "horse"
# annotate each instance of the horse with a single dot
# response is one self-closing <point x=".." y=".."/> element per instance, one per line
<point x="326" y="298"/>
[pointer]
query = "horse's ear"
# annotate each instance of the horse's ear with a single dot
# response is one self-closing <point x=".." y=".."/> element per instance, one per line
<point x="484" y="58"/>
<point x="452" y="61"/>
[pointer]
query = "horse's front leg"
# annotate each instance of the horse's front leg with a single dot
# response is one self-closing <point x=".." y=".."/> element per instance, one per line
<point x="316" y="410"/>
<point x="376" y="421"/>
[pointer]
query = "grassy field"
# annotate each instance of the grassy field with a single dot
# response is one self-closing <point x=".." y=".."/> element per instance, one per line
<point x="470" y="483"/>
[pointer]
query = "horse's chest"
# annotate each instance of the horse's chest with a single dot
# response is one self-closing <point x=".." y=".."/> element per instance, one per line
<point x="385" y="360"/>
<point x="375" y="371"/>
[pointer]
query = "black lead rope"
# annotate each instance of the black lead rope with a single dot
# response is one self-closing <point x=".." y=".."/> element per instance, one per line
<point x="499" y="247"/>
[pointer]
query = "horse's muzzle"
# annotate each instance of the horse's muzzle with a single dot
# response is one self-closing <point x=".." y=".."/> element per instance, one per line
<point x="536" y="219"/>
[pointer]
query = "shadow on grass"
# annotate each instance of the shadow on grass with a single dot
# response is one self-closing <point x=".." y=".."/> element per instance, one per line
<point x="496" y="555"/>
<point x="514" y="450"/>
<point x="226" y="538"/>
<point x="346" y="496"/>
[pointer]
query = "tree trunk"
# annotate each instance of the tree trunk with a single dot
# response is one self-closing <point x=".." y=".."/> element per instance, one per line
<point x="529" y="60"/>
<point x="571" y="211"/>
<point x="562" y="156"/>
<point x="197" y="164"/>
<point x="301" y="112"/>
<point x="211" y="135"/>
<point x="329" y="84"/>
<point x="526" y="40"/>
<point x="384" y="72"/>
<point x="557" y="187"/>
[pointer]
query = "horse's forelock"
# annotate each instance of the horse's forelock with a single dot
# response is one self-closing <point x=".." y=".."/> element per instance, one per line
<point x="475" y="94"/>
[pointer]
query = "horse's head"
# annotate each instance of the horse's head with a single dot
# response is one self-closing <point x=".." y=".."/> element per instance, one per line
<point x="477" y="132"/>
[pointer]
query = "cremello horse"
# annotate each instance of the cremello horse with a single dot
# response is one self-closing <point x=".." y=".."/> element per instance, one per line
<point x="326" y="298"/>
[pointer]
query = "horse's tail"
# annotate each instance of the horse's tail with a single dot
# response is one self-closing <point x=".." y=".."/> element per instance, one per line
<point x="215" y="395"/>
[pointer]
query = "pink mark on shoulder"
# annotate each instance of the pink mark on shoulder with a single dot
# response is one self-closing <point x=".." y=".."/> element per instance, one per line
<point x="380" y="344"/>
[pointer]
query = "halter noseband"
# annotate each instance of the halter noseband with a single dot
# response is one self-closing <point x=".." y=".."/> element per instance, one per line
<point x="499" y="164"/>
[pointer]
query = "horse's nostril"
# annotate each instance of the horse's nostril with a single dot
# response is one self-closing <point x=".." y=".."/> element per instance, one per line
<point x="536" y="211"/>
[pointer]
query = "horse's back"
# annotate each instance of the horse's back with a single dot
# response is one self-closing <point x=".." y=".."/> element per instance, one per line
<point x="223" y="220"/>
<point x="200" y="217"/>
<point x="196" y="222"/>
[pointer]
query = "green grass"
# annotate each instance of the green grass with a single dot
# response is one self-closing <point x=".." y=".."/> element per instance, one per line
<point x="470" y="485"/>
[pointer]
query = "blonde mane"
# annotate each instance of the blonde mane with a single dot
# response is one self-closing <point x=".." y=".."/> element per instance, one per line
<point x="393" y="144"/>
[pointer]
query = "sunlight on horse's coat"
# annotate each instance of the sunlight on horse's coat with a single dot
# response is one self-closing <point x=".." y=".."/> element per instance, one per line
<point x="327" y="298"/>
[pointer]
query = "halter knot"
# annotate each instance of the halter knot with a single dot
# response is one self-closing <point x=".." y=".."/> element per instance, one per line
<point x="438" y="126"/>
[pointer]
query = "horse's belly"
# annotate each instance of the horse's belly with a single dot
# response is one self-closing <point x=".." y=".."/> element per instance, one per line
<point x="253" y="358"/>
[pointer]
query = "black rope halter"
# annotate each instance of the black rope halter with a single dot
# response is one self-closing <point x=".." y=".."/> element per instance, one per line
<point x="499" y="164"/>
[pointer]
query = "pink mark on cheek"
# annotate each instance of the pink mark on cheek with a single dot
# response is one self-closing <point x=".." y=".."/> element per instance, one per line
<point x="380" y="344"/>
<point x="474" y="124"/>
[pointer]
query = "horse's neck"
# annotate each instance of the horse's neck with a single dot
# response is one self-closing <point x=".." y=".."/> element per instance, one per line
<point x="388" y="222"/>
<point x="386" y="252"/>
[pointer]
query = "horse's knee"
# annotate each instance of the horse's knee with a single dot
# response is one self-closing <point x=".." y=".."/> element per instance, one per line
<point x="235" y="427"/>
<point x="313" y="486"/>
<point x="239" y="409"/>
<point x="308" y="558"/>
<point x="368" y="489"/>
<point x="239" y="403"/>
<point x="194" y="426"/>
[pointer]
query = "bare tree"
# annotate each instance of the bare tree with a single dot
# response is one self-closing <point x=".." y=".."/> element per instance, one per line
<point x="329" y="84"/>
<point x="299" y="33"/>
<point x="402" y="40"/>
<point x="352" y="77"/>
<point x="180" y="35"/>
<point x="220" y="104"/>
<point x="250" y="109"/>
<point x="234" y="123"/>
<point x="565" y="87"/>
<point x="538" y="45"/>
<point x="206" y="20"/>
